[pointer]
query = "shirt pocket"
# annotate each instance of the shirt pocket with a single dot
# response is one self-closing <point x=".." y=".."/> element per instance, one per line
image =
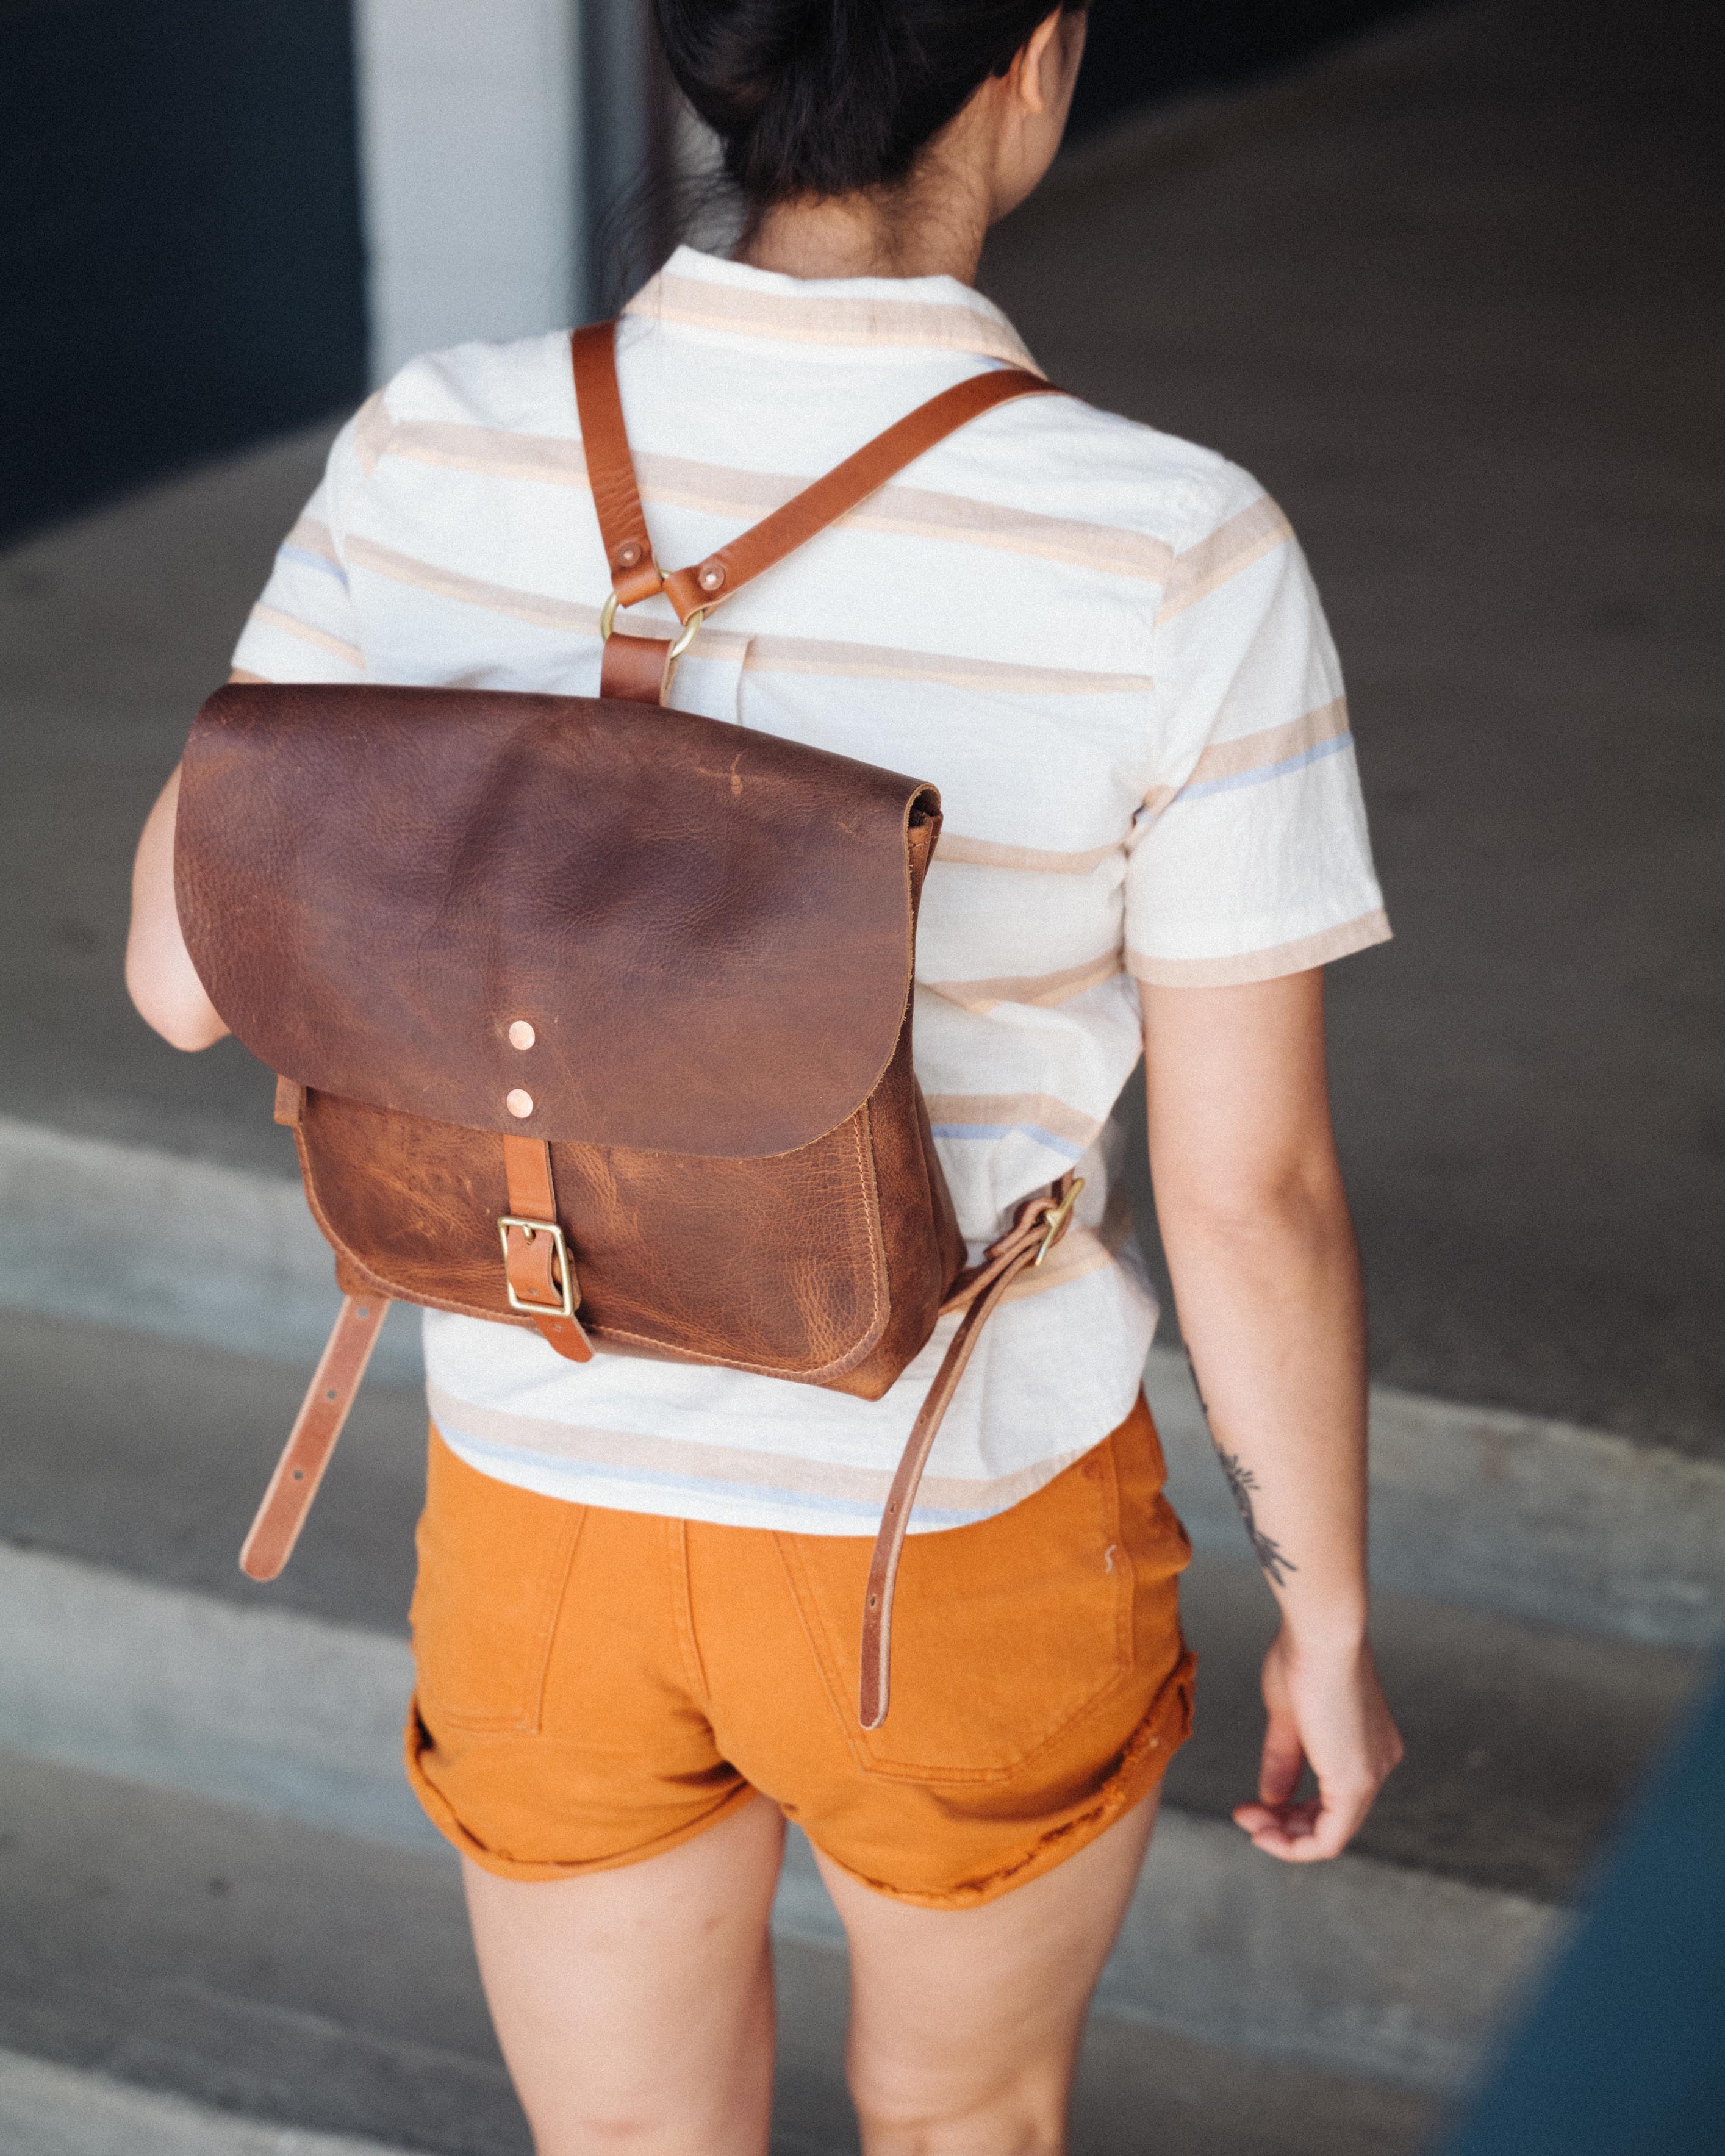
<point x="1003" y="1633"/>
<point x="494" y="1566"/>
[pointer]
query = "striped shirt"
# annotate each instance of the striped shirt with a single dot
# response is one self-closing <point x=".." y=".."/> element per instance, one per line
<point x="1100" y="644"/>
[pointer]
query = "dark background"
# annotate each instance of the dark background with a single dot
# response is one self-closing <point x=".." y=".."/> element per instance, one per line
<point x="1143" y="50"/>
<point x="182" y="265"/>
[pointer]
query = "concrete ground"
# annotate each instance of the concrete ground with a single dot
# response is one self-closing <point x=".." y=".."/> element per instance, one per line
<point x="1524" y="1738"/>
<point x="354" y="2009"/>
<point x="1449" y="296"/>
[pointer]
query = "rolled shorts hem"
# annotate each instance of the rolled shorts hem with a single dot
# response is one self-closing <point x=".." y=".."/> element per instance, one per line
<point x="1143" y="1765"/>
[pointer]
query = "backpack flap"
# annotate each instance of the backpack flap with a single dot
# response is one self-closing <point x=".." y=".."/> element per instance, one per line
<point x="579" y="921"/>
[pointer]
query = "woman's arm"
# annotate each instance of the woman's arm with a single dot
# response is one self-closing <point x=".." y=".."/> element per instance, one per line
<point x="160" y="977"/>
<point x="1260" y="1247"/>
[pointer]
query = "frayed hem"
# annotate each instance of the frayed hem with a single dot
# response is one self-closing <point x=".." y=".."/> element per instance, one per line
<point x="1140" y="1768"/>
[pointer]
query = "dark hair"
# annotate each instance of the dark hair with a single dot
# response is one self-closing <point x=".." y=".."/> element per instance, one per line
<point x="829" y="97"/>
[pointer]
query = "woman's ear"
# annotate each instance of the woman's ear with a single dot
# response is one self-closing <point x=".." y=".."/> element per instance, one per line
<point x="1045" y="67"/>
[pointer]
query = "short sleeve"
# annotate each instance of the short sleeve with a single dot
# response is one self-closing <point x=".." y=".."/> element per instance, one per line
<point x="305" y="627"/>
<point x="1251" y="856"/>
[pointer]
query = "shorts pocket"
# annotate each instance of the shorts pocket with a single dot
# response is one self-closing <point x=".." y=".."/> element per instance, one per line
<point x="494" y="1565"/>
<point x="1002" y="1633"/>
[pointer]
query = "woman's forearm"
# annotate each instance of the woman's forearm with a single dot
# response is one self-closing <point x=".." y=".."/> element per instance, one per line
<point x="1271" y="1309"/>
<point x="1259" y="1241"/>
<point x="160" y="977"/>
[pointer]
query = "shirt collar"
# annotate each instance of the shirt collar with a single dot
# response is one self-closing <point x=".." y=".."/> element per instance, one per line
<point x="701" y="291"/>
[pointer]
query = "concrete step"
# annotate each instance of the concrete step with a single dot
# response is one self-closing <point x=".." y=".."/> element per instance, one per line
<point x="131" y="1645"/>
<point x="280" y="1973"/>
<point x="1387" y="1968"/>
<point x="48" y="2110"/>
<point x="1504" y="1512"/>
<point x="142" y="1458"/>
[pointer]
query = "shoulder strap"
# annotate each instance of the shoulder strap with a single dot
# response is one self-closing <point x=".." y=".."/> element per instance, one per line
<point x="695" y="591"/>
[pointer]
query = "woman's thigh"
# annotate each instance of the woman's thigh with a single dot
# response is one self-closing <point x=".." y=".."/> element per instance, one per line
<point x="634" y="2006"/>
<point x="965" y="2022"/>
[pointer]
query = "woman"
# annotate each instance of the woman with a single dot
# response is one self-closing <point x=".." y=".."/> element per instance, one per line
<point x="638" y="1580"/>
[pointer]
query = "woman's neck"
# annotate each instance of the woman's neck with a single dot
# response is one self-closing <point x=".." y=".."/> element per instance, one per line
<point x="930" y="232"/>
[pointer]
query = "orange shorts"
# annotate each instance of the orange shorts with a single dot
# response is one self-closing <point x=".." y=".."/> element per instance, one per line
<point x="595" y="1686"/>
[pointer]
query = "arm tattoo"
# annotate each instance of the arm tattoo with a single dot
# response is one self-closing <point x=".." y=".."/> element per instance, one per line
<point x="1241" y="1482"/>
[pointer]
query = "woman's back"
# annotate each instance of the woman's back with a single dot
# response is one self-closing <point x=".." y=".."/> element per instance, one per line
<point x="1099" y="642"/>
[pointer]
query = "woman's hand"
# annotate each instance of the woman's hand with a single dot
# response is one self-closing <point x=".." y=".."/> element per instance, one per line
<point x="1327" y="1710"/>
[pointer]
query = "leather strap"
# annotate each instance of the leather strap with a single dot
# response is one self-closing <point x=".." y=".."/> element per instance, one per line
<point x="1038" y="1224"/>
<point x="312" y="1440"/>
<point x="623" y="524"/>
<point x="724" y="571"/>
<point x="610" y="469"/>
<point x="535" y="1257"/>
<point x="634" y="667"/>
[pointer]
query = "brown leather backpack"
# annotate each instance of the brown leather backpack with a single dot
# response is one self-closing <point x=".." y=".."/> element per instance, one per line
<point x="594" y="1015"/>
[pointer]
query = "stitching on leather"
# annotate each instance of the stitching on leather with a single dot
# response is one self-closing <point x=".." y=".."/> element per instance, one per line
<point x="881" y="1305"/>
<point x="397" y="1290"/>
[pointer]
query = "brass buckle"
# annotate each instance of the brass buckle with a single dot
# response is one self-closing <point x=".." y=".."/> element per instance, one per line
<point x="1054" y="1226"/>
<point x="530" y="1228"/>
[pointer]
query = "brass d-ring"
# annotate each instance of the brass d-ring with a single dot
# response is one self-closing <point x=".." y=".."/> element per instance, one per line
<point x="687" y="637"/>
<point x="608" y="615"/>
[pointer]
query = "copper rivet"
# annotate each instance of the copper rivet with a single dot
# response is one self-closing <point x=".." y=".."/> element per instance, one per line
<point x="518" y="1102"/>
<point x="711" y="577"/>
<point x="628" y="556"/>
<point x="522" y="1034"/>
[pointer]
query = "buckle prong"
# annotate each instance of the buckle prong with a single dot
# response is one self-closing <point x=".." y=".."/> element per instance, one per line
<point x="1054" y="1226"/>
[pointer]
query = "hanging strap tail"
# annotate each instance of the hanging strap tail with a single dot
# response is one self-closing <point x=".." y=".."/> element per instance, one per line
<point x="1040" y="1223"/>
<point x="316" y="1427"/>
<point x="695" y="592"/>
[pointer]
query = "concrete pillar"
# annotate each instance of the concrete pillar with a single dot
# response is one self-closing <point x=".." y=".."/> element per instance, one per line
<point x="472" y="165"/>
<point x="522" y="163"/>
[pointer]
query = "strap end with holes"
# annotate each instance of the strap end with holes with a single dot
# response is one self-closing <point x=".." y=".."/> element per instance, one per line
<point x="294" y="1485"/>
<point x="1038" y="1225"/>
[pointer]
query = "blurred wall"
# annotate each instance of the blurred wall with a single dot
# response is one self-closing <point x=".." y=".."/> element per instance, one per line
<point x="468" y="135"/>
<point x="180" y="259"/>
